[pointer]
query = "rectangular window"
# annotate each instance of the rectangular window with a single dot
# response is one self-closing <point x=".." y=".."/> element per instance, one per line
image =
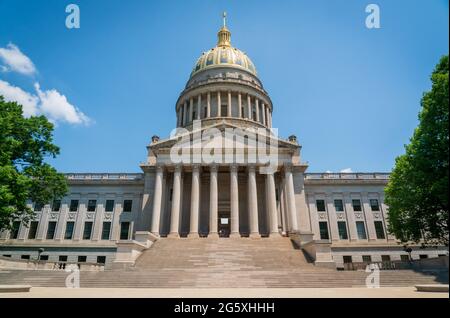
<point x="109" y="206"/>
<point x="92" y="204"/>
<point x="224" y="111"/>
<point x="56" y="205"/>
<point x="43" y="257"/>
<point x="338" y="205"/>
<point x="15" y="230"/>
<point x="367" y="258"/>
<point x="356" y="205"/>
<point x="87" y="232"/>
<point x="25" y="256"/>
<point x="51" y="230"/>
<point x="323" y="226"/>
<point x="62" y="258"/>
<point x="320" y="205"/>
<point x="385" y="258"/>
<point x="82" y="259"/>
<point x="38" y="207"/>
<point x="347" y="259"/>
<point x="379" y="229"/>
<point x="361" y="230"/>
<point x="242" y="112"/>
<point x="374" y="205"/>
<point x="33" y="230"/>
<point x="106" y="230"/>
<point x="423" y="256"/>
<point x="124" y="230"/>
<point x="342" y="227"/>
<point x="69" y="230"/>
<point x="73" y="205"/>
<point x="404" y="258"/>
<point x="101" y="259"/>
<point x="127" y="205"/>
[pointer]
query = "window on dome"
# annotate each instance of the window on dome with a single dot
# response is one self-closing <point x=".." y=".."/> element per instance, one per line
<point x="210" y="59"/>
<point x="242" y="112"/>
<point x="224" y="110"/>
<point x="224" y="58"/>
<point x="205" y="112"/>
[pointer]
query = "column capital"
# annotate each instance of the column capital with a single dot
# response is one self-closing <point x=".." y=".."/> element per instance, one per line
<point x="195" y="168"/>
<point x="159" y="168"/>
<point x="234" y="168"/>
<point x="251" y="168"/>
<point x="213" y="168"/>
<point x="178" y="168"/>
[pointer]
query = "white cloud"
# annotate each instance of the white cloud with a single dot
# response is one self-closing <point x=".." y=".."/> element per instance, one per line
<point x="15" y="60"/>
<point x="346" y="170"/>
<point x="50" y="103"/>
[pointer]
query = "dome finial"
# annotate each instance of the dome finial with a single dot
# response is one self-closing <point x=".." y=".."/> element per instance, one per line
<point x="224" y="34"/>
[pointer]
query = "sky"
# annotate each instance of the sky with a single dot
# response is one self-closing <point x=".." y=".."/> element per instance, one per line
<point x="350" y="94"/>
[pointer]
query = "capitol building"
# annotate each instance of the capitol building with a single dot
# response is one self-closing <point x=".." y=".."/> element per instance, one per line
<point x="222" y="174"/>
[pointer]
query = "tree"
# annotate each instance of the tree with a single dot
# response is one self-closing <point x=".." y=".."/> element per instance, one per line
<point x="418" y="188"/>
<point x="24" y="145"/>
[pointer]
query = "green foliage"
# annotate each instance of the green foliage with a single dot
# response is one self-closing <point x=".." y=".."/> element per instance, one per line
<point x="418" y="189"/>
<point x="24" y="145"/>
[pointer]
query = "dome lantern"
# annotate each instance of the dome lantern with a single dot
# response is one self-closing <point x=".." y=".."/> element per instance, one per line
<point x="224" y="35"/>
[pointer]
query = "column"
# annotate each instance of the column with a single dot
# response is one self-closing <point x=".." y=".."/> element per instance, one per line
<point x="195" y="191"/>
<point x="371" y="234"/>
<point x="234" y="201"/>
<point x="229" y="104"/>
<point x="157" y="196"/>
<point x="240" y="105"/>
<point x="185" y="113"/>
<point x="199" y="106"/>
<point x="213" y="202"/>
<point x="208" y="105"/>
<point x="252" y="203"/>
<point x="218" y="105"/>
<point x="272" y="204"/>
<point x="269" y="117"/>
<point x="257" y="109"/>
<point x="191" y="109"/>
<point x="291" y="199"/>
<point x="263" y="107"/>
<point x="249" y="105"/>
<point x="176" y="203"/>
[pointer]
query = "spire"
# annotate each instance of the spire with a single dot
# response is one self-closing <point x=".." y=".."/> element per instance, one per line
<point x="224" y="34"/>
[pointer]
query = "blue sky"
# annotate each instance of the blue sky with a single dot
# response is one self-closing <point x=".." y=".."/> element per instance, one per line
<point x="350" y="94"/>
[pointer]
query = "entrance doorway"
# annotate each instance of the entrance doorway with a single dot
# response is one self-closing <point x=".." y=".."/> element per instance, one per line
<point x="224" y="224"/>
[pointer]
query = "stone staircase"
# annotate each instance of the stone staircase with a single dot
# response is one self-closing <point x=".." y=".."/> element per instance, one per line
<point x="222" y="263"/>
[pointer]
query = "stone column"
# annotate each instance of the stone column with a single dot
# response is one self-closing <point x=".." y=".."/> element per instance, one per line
<point x="218" y="105"/>
<point x="257" y="109"/>
<point x="291" y="199"/>
<point x="185" y="113"/>
<point x="252" y="203"/>
<point x="371" y="233"/>
<point x="208" y="105"/>
<point x="157" y="198"/>
<point x="249" y="105"/>
<point x="199" y="104"/>
<point x="195" y="203"/>
<point x="213" y="202"/>
<point x="272" y="204"/>
<point x="176" y="203"/>
<point x="191" y="109"/>
<point x="234" y="201"/>
<point x="263" y="107"/>
<point x="240" y="105"/>
<point x="229" y="104"/>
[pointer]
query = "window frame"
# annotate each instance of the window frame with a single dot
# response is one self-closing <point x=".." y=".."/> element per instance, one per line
<point x="91" y="225"/>
<point x="363" y="227"/>
<point x="89" y="206"/>
<point x="318" y="207"/>
<point x="324" y="235"/>
<point x="359" y="205"/>
<point x="344" y="228"/>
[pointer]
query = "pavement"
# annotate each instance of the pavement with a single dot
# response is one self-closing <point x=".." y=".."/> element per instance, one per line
<point x="383" y="292"/>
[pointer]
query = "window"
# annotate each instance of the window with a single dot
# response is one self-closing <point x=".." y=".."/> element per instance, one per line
<point x="56" y="205"/>
<point x="127" y="204"/>
<point x="73" y="205"/>
<point x="92" y="204"/>
<point x="38" y="207"/>
<point x="101" y="259"/>
<point x="106" y="230"/>
<point x="367" y="259"/>
<point x="404" y="258"/>
<point x="82" y="259"/>
<point x="69" y="230"/>
<point x="33" y="230"/>
<point x="43" y="257"/>
<point x="194" y="115"/>
<point x="379" y="229"/>
<point x="205" y="112"/>
<point x="6" y="255"/>
<point x="361" y="230"/>
<point x="323" y="226"/>
<point x="356" y="205"/>
<point x="242" y="112"/>
<point x="223" y="110"/>
<point x="342" y="228"/>
<point x="254" y="115"/>
<point x="51" y="230"/>
<point x="320" y="205"/>
<point x="25" y="256"/>
<point x="374" y="205"/>
<point x="109" y="206"/>
<point x="423" y="256"/>
<point x="338" y="205"/>
<point x="385" y="258"/>
<point x="124" y="230"/>
<point x="62" y="258"/>
<point x="87" y="230"/>
<point x="347" y="259"/>
<point x="15" y="230"/>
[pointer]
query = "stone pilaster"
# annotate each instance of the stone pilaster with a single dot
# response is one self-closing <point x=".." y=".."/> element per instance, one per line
<point x="195" y="201"/>
<point x="234" y="201"/>
<point x="252" y="203"/>
<point x="176" y="203"/>
<point x="213" y="202"/>
<point x="157" y="198"/>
